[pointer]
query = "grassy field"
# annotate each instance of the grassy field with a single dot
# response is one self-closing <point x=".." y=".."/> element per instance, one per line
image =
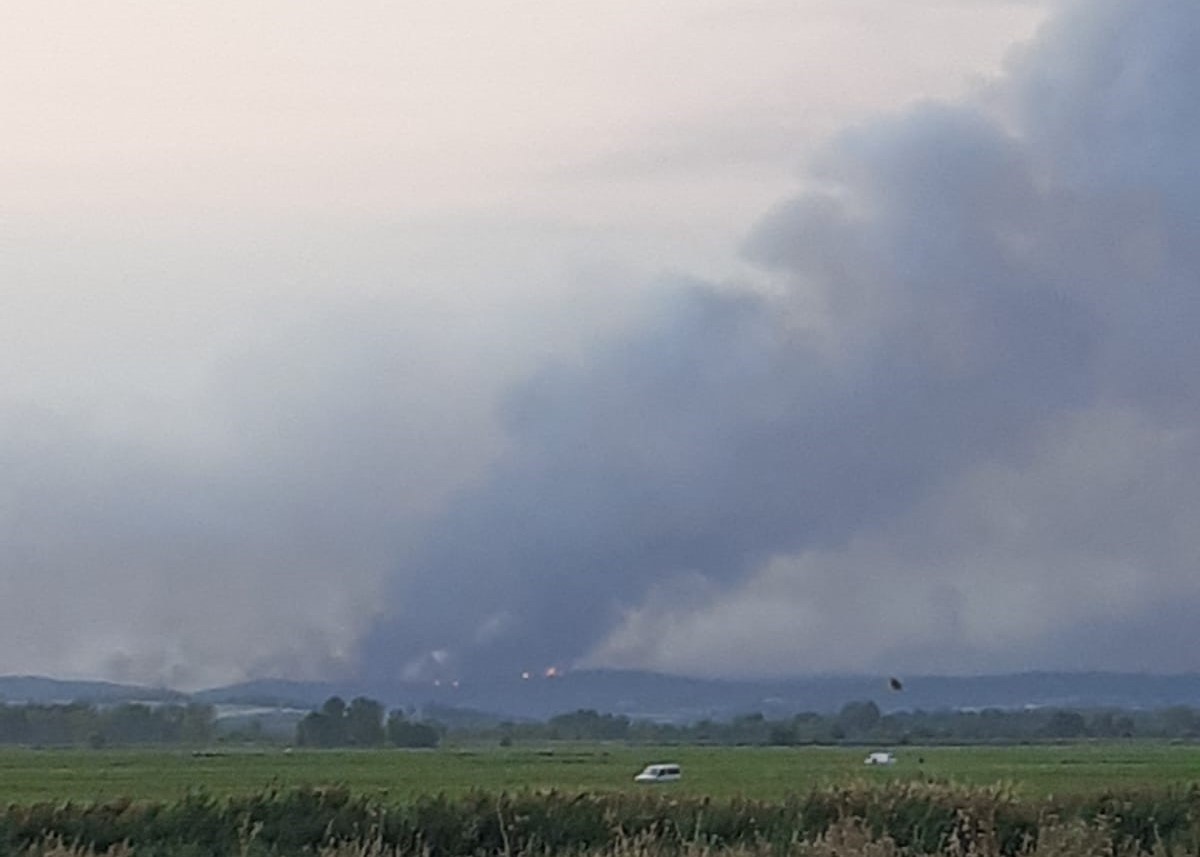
<point x="1034" y="771"/>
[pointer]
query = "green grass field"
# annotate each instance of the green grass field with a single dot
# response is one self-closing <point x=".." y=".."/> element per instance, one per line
<point x="80" y="775"/>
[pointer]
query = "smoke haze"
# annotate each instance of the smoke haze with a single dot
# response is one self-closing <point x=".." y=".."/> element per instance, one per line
<point x="951" y="438"/>
<point x="939" y="415"/>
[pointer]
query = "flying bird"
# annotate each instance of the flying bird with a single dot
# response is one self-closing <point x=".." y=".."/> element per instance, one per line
<point x="895" y="683"/>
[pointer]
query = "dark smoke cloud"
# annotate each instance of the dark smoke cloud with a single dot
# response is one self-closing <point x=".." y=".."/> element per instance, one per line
<point x="971" y="393"/>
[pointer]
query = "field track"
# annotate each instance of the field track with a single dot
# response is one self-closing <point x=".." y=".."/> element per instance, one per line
<point x="28" y="775"/>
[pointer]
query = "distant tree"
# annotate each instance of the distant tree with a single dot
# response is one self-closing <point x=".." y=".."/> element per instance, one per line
<point x="858" y="719"/>
<point x="133" y="723"/>
<point x="705" y="731"/>
<point x="324" y="728"/>
<point x="1179" y="721"/>
<point x="313" y="730"/>
<point x="1066" y="724"/>
<point x="364" y="723"/>
<point x="749" y="729"/>
<point x="402" y="732"/>
<point x="1124" y="726"/>
<point x="198" y="724"/>
<point x="1103" y="724"/>
<point x="334" y="710"/>
<point x="14" y="724"/>
<point x="589" y="725"/>
<point x="782" y="734"/>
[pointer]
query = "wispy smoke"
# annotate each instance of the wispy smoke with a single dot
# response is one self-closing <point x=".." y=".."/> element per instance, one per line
<point x="252" y="533"/>
<point x="958" y="434"/>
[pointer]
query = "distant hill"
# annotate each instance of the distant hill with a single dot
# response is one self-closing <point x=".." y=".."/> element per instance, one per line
<point x="280" y="693"/>
<point x="653" y="696"/>
<point x="41" y="690"/>
<point x="680" y="699"/>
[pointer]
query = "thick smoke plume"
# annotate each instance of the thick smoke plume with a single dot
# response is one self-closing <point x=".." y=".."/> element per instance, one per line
<point x="957" y="431"/>
<point x="946" y="422"/>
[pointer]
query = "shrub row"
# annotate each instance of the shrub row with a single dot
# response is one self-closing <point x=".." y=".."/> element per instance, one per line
<point x="915" y="818"/>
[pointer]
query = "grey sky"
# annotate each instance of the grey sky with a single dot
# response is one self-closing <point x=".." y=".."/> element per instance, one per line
<point x="755" y="337"/>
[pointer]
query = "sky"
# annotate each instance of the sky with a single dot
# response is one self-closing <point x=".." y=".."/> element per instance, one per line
<point x="457" y="339"/>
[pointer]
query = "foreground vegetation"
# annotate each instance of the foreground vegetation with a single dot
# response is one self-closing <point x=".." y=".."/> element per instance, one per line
<point x="860" y="819"/>
<point x="1075" y="800"/>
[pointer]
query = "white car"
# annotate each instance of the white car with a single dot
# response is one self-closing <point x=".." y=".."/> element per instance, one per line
<point x="664" y="773"/>
<point x="880" y="758"/>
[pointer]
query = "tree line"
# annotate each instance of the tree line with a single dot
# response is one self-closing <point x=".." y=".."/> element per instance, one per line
<point x="362" y="724"/>
<point x="83" y="725"/>
<point x="863" y="722"/>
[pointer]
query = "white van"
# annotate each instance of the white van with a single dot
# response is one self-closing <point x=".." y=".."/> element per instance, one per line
<point x="664" y="773"/>
<point x="880" y="758"/>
